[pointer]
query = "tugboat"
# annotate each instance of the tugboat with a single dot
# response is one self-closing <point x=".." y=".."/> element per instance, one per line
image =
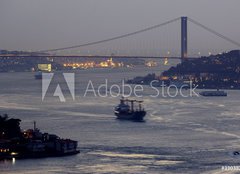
<point x="124" y="111"/>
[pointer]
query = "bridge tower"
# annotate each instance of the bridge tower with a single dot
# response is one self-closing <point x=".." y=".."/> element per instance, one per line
<point x="184" y="38"/>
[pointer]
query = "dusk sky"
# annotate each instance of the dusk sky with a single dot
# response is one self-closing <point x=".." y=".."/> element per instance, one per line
<point x="47" y="24"/>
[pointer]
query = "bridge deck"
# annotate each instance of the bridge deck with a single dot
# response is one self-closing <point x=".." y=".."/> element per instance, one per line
<point x="90" y="56"/>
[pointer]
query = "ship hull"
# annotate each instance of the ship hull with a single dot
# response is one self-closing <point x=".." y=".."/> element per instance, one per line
<point x="135" y="116"/>
<point x="38" y="75"/>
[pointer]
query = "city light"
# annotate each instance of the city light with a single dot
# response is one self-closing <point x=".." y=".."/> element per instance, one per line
<point x="109" y="63"/>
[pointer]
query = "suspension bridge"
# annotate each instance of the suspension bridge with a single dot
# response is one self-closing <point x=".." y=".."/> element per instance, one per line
<point x="184" y="55"/>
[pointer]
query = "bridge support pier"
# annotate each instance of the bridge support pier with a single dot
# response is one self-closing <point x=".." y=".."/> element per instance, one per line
<point x="184" y="38"/>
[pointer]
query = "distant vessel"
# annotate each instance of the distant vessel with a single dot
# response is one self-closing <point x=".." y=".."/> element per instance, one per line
<point x="124" y="111"/>
<point x="42" y="68"/>
<point x="213" y="93"/>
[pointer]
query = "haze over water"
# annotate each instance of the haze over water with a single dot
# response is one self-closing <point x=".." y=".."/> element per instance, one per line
<point x="179" y="135"/>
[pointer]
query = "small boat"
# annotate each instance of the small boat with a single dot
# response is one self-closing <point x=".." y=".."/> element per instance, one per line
<point x="217" y="93"/>
<point x="124" y="111"/>
<point x="42" y="68"/>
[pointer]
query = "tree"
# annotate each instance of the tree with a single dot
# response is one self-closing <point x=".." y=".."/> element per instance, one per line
<point x="9" y="127"/>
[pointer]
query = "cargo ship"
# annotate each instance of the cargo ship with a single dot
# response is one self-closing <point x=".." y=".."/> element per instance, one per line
<point x="124" y="111"/>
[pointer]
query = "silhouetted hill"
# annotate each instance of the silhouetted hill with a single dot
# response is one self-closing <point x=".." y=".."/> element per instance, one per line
<point x="222" y="70"/>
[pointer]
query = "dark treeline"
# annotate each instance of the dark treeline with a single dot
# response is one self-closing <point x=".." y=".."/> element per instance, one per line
<point x="9" y="127"/>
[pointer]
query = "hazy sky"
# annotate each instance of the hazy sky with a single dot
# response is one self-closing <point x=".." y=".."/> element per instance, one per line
<point x="45" y="24"/>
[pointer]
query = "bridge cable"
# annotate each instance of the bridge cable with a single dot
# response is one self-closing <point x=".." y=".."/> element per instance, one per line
<point x="113" y="38"/>
<point x="214" y="32"/>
